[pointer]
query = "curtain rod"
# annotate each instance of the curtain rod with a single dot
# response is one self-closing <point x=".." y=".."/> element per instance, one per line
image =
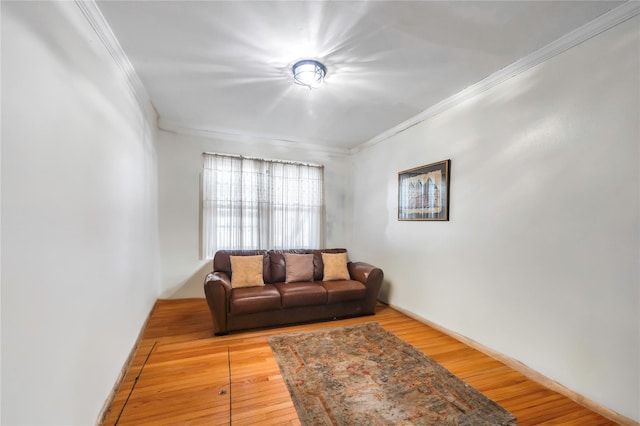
<point x="243" y="157"/>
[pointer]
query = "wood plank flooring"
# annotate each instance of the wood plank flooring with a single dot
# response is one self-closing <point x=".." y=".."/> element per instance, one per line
<point x="181" y="375"/>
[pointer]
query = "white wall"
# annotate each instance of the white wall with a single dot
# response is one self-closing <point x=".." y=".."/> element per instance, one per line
<point x="539" y="260"/>
<point x="179" y="168"/>
<point x="80" y="244"/>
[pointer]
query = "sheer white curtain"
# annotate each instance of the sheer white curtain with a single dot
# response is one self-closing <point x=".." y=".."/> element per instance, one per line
<point x="250" y="203"/>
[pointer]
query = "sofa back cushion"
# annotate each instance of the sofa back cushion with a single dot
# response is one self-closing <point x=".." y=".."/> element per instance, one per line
<point x="274" y="264"/>
<point x="222" y="262"/>
<point x="278" y="262"/>
<point x="318" y="264"/>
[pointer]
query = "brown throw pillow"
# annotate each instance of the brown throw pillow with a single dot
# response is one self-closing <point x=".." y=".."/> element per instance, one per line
<point x="246" y="271"/>
<point x="299" y="267"/>
<point x="335" y="266"/>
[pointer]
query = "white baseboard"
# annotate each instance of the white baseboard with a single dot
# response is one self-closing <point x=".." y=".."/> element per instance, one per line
<point x="125" y="368"/>
<point x="526" y="371"/>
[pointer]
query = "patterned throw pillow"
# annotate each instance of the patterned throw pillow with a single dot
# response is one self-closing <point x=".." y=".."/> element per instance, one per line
<point x="335" y="266"/>
<point x="246" y="271"/>
<point x="299" y="267"/>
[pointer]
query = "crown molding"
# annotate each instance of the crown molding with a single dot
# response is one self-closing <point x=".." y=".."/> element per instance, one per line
<point x="248" y="138"/>
<point x="102" y="29"/>
<point x="599" y="25"/>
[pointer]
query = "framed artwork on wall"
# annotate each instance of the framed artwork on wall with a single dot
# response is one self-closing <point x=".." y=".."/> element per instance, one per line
<point x="423" y="192"/>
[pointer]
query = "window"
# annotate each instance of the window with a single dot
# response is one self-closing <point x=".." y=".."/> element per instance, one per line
<point x="249" y="203"/>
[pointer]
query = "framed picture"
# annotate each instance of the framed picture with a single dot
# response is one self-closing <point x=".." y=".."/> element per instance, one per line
<point x="423" y="192"/>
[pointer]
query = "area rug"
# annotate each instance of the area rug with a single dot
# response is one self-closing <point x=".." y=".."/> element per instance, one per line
<point x="365" y="375"/>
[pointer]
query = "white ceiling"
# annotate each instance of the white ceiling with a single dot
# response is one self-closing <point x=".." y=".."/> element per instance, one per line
<point x="224" y="67"/>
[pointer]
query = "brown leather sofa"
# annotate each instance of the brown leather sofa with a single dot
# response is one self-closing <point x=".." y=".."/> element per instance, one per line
<point x="279" y="303"/>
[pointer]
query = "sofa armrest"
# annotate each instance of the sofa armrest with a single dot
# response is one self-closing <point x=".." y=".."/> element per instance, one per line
<point x="217" y="288"/>
<point x="371" y="277"/>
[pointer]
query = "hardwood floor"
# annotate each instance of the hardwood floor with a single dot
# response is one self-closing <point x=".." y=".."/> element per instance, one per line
<point x="184" y="375"/>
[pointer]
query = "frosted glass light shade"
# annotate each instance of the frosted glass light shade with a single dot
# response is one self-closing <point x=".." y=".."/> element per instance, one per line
<point x="309" y="73"/>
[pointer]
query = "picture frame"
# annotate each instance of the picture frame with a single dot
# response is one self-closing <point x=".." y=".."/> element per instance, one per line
<point x="423" y="192"/>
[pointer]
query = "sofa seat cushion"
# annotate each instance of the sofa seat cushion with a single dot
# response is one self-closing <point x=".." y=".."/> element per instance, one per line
<point x="302" y="294"/>
<point x="344" y="290"/>
<point x="246" y="300"/>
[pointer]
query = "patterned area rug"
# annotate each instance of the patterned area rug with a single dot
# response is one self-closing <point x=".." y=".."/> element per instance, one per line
<point x="365" y="375"/>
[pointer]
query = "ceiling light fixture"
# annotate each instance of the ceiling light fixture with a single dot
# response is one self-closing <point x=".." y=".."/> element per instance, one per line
<point x="309" y="73"/>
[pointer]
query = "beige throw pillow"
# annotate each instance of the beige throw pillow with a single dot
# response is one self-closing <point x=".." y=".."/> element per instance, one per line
<point x="335" y="266"/>
<point x="298" y="267"/>
<point x="246" y="271"/>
